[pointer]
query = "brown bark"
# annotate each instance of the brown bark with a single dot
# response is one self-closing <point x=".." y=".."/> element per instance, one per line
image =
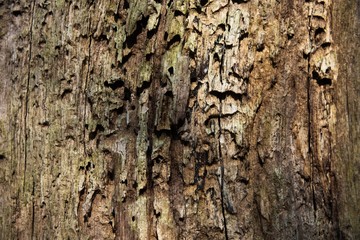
<point x="179" y="119"/>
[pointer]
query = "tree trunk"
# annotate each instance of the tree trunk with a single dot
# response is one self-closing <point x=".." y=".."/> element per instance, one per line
<point x="133" y="119"/>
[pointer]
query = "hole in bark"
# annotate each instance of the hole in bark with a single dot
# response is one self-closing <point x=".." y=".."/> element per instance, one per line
<point x="326" y="45"/>
<point x="126" y="4"/>
<point x="44" y="124"/>
<point x="216" y="57"/>
<point x="148" y="56"/>
<point x="169" y="4"/>
<point x="65" y="92"/>
<point x="115" y="84"/>
<point x="102" y="37"/>
<point x="222" y="26"/>
<point x="203" y="2"/>
<point x="132" y="38"/>
<point x="157" y="214"/>
<point x="243" y="36"/>
<point x="127" y="94"/>
<point x="171" y="70"/>
<point x="126" y="58"/>
<point x="142" y="191"/>
<point x="238" y="1"/>
<point x="198" y="9"/>
<point x="305" y="55"/>
<point x="88" y="166"/>
<point x="169" y="94"/>
<point x="16" y="13"/>
<point x="173" y="41"/>
<point x="139" y="90"/>
<point x="133" y="107"/>
<point x="99" y="128"/>
<point x="244" y="180"/>
<point x="193" y="77"/>
<point x="260" y="47"/>
<point x="117" y="111"/>
<point x="192" y="55"/>
<point x="322" y="81"/>
<point x="223" y="95"/>
<point x="178" y="13"/>
<point x="117" y="16"/>
<point x="2" y="157"/>
<point x="111" y="175"/>
<point x="151" y="33"/>
<point x="82" y="192"/>
<point x="319" y="31"/>
<point x="124" y="181"/>
<point x="106" y="151"/>
<point x="133" y="218"/>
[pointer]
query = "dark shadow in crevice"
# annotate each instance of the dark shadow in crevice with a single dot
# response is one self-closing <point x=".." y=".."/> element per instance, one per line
<point x="99" y="128"/>
<point x="131" y="40"/>
<point x="115" y="84"/>
<point x="321" y="81"/>
<point x="223" y="95"/>
<point x="144" y="86"/>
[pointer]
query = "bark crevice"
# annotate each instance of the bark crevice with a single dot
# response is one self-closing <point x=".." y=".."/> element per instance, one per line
<point x="309" y="109"/>
<point x="27" y="93"/>
<point x="87" y="77"/>
<point x="221" y="159"/>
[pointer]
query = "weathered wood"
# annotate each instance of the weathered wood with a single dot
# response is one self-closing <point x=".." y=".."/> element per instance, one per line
<point x="179" y="119"/>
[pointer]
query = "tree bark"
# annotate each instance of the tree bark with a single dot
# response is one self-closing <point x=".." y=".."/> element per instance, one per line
<point x="229" y="119"/>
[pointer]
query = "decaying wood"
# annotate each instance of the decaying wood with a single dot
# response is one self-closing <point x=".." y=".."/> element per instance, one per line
<point x="179" y="119"/>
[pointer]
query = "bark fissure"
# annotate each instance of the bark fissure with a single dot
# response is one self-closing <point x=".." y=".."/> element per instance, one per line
<point x="221" y="159"/>
<point x="309" y="109"/>
<point x="28" y="91"/>
<point x="222" y="173"/>
<point x="33" y="211"/>
<point x="87" y="77"/>
<point x="154" y="86"/>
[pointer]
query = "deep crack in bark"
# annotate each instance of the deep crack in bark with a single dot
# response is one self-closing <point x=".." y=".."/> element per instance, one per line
<point x="86" y="83"/>
<point x="27" y="90"/>
<point x="310" y="150"/>
<point x="220" y="152"/>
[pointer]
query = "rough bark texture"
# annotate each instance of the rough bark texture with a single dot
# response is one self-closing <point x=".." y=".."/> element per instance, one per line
<point x="229" y="119"/>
